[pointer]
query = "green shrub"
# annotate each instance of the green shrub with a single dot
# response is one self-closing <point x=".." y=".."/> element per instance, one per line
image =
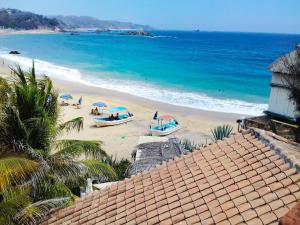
<point x="221" y="132"/>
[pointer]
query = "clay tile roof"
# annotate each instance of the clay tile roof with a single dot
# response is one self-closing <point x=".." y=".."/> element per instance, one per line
<point x="244" y="179"/>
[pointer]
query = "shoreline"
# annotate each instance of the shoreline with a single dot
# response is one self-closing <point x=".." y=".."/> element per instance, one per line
<point x="18" y="32"/>
<point x="120" y="141"/>
<point x="185" y="98"/>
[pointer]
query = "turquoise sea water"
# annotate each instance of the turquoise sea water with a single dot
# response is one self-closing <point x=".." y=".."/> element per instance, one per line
<point x="216" y="71"/>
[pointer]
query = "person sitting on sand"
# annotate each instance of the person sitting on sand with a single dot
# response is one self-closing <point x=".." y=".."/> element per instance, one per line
<point x="64" y="103"/>
<point x="96" y="111"/>
<point x="93" y="112"/>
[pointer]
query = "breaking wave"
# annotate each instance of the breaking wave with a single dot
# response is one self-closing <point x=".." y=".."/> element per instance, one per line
<point x="141" y="89"/>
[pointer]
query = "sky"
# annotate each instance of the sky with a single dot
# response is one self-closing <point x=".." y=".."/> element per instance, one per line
<point x="276" y="16"/>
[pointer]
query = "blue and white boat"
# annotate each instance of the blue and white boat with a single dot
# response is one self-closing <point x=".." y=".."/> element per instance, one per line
<point x="166" y="124"/>
<point x="114" y="116"/>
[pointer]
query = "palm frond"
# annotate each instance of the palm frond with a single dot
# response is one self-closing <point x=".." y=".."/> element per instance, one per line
<point x="41" y="132"/>
<point x="4" y="90"/>
<point x="64" y="167"/>
<point x="50" y="97"/>
<point x="120" y="166"/>
<point x="99" y="170"/>
<point x="12" y="201"/>
<point x="31" y="76"/>
<point x="20" y="74"/>
<point x="34" y="154"/>
<point x="50" y="187"/>
<point x="13" y="129"/>
<point x="76" y="148"/>
<point x="74" y="124"/>
<point x="33" y="213"/>
<point x="15" y="170"/>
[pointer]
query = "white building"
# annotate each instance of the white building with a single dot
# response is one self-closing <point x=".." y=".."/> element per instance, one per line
<point x="279" y="104"/>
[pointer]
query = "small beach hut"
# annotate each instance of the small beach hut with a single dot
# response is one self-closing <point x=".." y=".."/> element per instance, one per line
<point x="280" y="105"/>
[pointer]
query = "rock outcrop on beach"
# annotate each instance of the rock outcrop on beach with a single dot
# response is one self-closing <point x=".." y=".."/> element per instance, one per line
<point x="14" y="53"/>
<point x="138" y="33"/>
<point x="102" y="30"/>
<point x="16" y="19"/>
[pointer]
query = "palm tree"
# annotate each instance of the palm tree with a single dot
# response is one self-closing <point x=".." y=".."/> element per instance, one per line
<point x="38" y="172"/>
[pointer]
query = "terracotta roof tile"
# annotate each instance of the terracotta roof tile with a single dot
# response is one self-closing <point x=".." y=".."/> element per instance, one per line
<point x="241" y="180"/>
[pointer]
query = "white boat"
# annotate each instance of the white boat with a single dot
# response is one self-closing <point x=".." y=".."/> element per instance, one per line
<point x="122" y="116"/>
<point x="166" y="124"/>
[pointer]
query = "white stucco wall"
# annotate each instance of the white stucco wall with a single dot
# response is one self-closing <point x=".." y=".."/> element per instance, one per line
<point x="279" y="98"/>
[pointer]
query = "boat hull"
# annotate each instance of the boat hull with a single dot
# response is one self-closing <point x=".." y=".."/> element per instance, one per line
<point x="164" y="132"/>
<point x="106" y="123"/>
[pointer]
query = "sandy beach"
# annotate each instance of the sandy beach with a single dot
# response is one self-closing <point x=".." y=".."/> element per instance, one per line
<point x="119" y="141"/>
<point x="14" y="32"/>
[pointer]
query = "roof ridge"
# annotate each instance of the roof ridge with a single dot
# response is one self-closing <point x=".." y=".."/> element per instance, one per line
<point x="266" y="138"/>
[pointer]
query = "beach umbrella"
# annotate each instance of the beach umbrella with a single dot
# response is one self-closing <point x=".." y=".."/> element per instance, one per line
<point x="155" y="115"/>
<point x="117" y="109"/>
<point x="66" y="97"/>
<point x="100" y="104"/>
<point x="166" y="117"/>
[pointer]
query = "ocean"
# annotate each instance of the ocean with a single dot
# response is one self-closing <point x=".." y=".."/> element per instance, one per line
<point x="214" y="71"/>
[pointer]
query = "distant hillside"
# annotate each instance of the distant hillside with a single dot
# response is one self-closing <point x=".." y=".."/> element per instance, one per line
<point x="75" y="22"/>
<point x="16" y="19"/>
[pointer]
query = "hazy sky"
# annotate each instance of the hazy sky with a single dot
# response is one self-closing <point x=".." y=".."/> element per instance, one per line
<point x="281" y="16"/>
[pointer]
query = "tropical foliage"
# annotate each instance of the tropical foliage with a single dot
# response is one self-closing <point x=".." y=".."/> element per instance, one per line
<point x="292" y="80"/>
<point x="38" y="172"/>
<point x="120" y="166"/>
<point x="221" y="132"/>
<point x="189" y="145"/>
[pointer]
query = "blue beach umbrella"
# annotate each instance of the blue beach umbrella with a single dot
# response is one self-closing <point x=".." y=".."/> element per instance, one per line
<point x="66" y="97"/>
<point x="117" y="109"/>
<point x="100" y="104"/>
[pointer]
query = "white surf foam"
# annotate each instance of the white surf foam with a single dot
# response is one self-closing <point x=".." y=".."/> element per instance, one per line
<point x="141" y="89"/>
